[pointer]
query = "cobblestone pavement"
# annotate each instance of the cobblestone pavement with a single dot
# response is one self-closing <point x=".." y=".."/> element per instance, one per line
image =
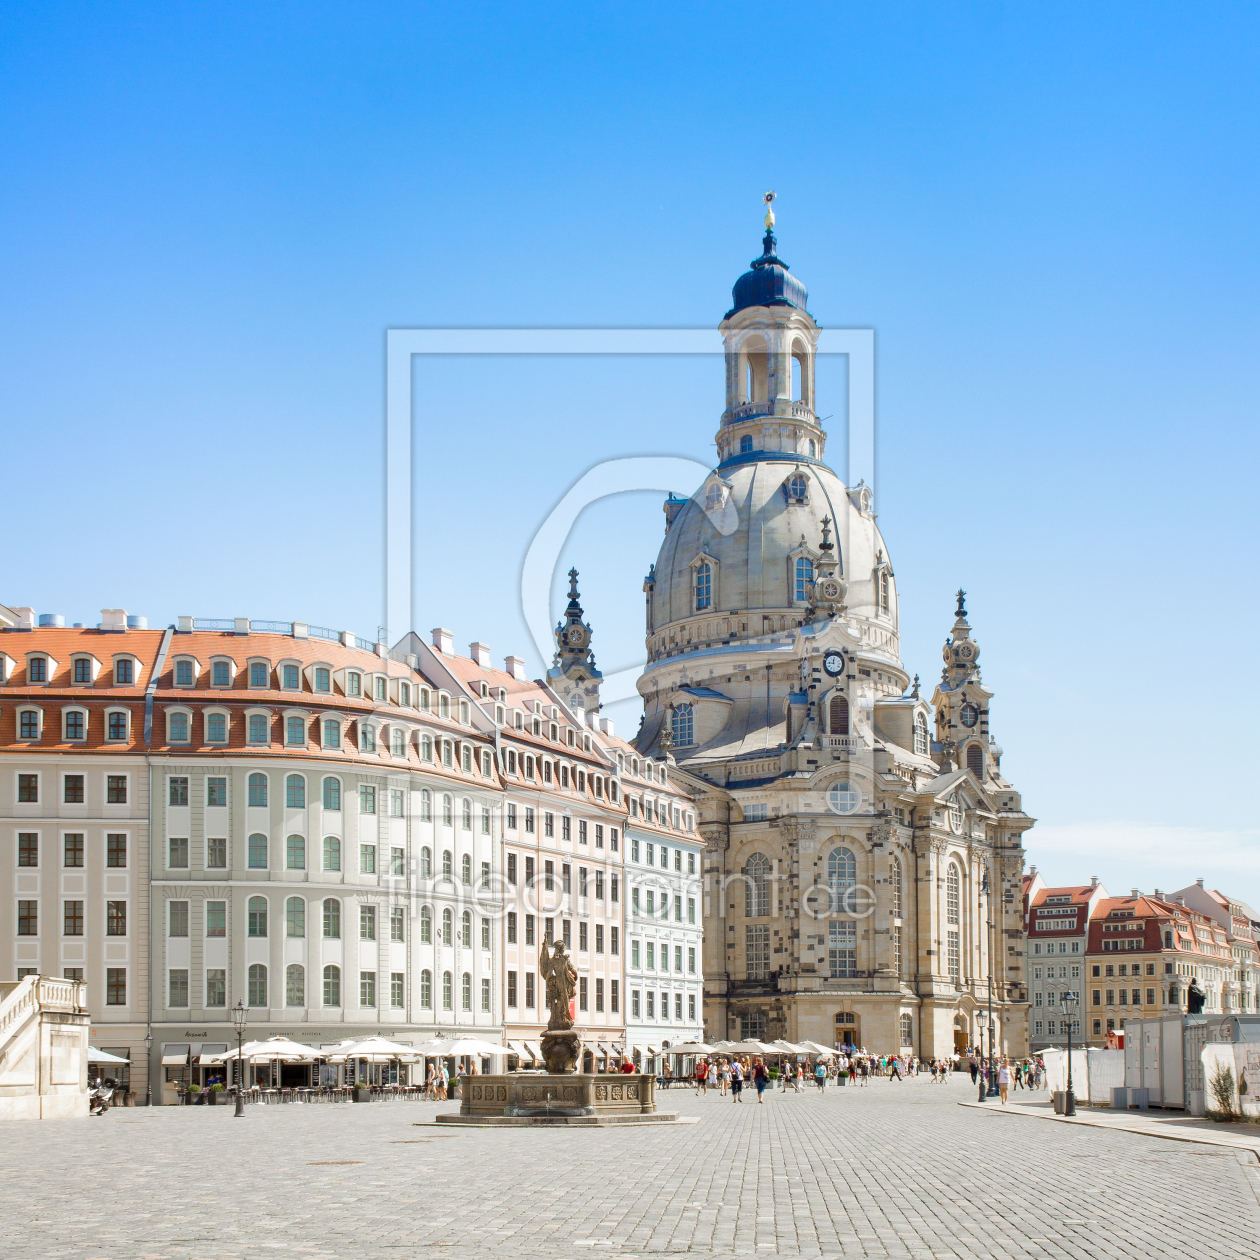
<point x="893" y="1170"/>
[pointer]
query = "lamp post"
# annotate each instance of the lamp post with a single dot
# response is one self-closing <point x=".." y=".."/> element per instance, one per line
<point x="1067" y="1003"/>
<point x="992" y="1091"/>
<point x="239" y="1016"/>
<point x="148" y="1068"/>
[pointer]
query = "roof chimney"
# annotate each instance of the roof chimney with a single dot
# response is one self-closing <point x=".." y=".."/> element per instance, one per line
<point x="480" y="653"/>
<point x="113" y="620"/>
<point x="515" y="666"/>
<point x="606" y="725"/>
<point x="1093" y="881"/>
<point x="1137" y="892"/>
<point x="443" y="640"/>
<point x="1159" y="894"/>
<point x="1199" y="881"/>
<point x="26" y="618"/>
<point x="1032" y="870"/>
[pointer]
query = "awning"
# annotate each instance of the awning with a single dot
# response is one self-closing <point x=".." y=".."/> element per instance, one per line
<point x="210" y="1047"/>
<point x="535" y="1051"/>
<point x="518" y="1049"/>
<point x="174" y="1054"/>
<point x="104" y="1056"/>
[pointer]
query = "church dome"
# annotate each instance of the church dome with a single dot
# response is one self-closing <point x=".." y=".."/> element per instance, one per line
<point x="758" y="529"/>
<point x="768" y="283"/>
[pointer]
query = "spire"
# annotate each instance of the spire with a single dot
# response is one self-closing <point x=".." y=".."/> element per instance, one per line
<point x="574" y="673"/>
<point x="961" y="610"/>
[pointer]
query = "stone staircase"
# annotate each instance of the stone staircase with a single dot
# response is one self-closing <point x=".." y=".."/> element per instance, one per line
<point x="44" y="1025"/>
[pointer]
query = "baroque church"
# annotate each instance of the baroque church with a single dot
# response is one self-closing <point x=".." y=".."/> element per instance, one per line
<point x="864" y="851"/>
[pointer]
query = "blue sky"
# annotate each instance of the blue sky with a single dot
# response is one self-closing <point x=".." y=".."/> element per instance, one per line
<point x="208" y="218"/>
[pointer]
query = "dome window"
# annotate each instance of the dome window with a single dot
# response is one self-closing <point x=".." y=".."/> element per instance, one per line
<point x="745" y="444"/>
<point x="844" y="798"/>
<point x="797" y="488"/>
<point x="804" y="579"/>
<point x="684" y="728"/>
<point x="813" y="449"/>
<point x="921" y="736"/>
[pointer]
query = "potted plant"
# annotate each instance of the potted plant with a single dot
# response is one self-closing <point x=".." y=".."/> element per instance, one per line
<point x="194" y="1095"/>
<point x="212" y="1094"/>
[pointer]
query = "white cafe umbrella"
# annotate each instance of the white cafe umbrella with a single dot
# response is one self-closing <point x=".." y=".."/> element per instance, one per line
<point x="692" y="1047"/>
<point x="273" y="1048"/>
<point x="786" y="1047"/>
<point x="103" y="1056"/>
<point x="472" y="1045"/>
<point x="813" y="1047"/>
<point x="751" y="1046"/>
<point x="374" y="1050"/>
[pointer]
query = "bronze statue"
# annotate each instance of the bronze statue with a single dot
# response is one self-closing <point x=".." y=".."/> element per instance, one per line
<point x="1195" y="997"/>
<point x="561" y="980"/>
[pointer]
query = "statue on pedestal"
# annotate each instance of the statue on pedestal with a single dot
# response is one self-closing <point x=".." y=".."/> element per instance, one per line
<point x="561" y="1045"/>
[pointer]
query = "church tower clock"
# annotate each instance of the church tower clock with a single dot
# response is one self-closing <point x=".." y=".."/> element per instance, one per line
<point x="573" y="674"/>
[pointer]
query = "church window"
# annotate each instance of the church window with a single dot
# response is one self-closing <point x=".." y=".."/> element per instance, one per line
<point x="798" y="490"/>
<point x="954" y="957"/>
<point x="813" y="449"/>
<point x="952" y="887"/>
<point x="894" y="878"/>
<point x="757" y="950"/>
<point x="838" y="715"/>
<point x="842" y="948"/>
<point x="745" y="444"/>
<point x="841" y="876"/>
<point x="921" y="735"/>
<point x="883" y="591"/>
<point x="804" y="578"/>
<point x="757" y="886"/>
<point x="844" y="798"/>
<point x="704" y="586"/>
<point x="975" y="760"/>
<point x="684" y="726"/>
<point x="907" y="1030"/>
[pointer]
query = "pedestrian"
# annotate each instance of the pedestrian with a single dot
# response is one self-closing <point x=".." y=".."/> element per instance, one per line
<point x="724" y="1076"/>
<point x="975" y="1070"/>
<point x="737" y="1081"/>
<point x="820" y="1076"/>
<point x="1004" y="1080"/>
<point x="702" y="1077"/>
<point x="761" y="1078"/>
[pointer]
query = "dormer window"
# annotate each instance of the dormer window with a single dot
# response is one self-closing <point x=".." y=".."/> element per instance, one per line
<point x="797" y="488"/>
<point x="221" y="674"/>
<point x="381" y="685"/>
<point x="444" y="705"/>
<point x="921" y="735"/>
<point x="463" y="712"/>
<point x="37" y="669"/>
<point x="404" y="694"/>
<point x="216" y="727"/>
<point x="354" y="684"/>
<point x="704" y="586"/>
<point x="75" y="725"/>
<point x="804" y="579"/>
<point x="323" y="678"/>
<point x="259" y="675"/>
<point x="29" y="722"/>
<point x="518" y="719"/>
<point x="83" y="670"/>
<point x="290" y="677"/>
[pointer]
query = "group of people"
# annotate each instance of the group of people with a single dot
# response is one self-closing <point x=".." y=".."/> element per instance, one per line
<point x="1018" y="1074"/>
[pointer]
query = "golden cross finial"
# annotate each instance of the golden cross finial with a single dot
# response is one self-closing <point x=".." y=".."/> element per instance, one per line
<point x="769" y="200"/>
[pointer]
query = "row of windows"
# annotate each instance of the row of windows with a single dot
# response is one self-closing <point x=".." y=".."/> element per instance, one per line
<point x="648" y="905"/>
<point x="72" y="918"/>
<point x="115" y="981"/>
<point x="566" y="878"/>
<point x="73" y="849"/>
<point x="74" y="725"/>
<point x="566" y="932"/>
<point x="295" y="988"/>
<point x="73" y="788"/>
<point x="647" y="1009"/>
<point x="650" y="849"/>
<point x="85" y="669"/>
<point x="649" y="952"/>
<point x="583" y="993"/>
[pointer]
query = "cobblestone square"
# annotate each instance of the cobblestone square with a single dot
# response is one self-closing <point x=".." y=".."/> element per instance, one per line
<point x="892" y="1170"/>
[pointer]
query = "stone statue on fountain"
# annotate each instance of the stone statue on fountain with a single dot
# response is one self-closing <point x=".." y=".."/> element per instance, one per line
<point x="561" y="1045"/>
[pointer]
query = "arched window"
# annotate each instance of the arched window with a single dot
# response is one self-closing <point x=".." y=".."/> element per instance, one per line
<point x="704" y="585"/>
<point x="446" y="990"/>
<point x="745" y="444"/>
<point x="465" y="930"/>
<point x="367" y="737"/>
<point x="426" y="862"/>
<point x="894" y="878"/>
<point x="332" y="986"/>
<point x="446" y="864"/>
<point x="426" y="925"/>
<point x="447" y="921"/>
<point x="465" y="868"/>
<point x="838" y="715"/>
<point x="804" y="579"/>
<point x="258" y="916"/>
<point x="332" y="793"/>
<point x="448" y="810"/>
<point x="295" y="791"/>
<point x="466" y="813"/>
<point x="813" y="449"/>
<point x="332" y="853"/>
<point x="953" y="886"/>
<point x="295" y="853"/>
<point x="907" y="1031"/>
<point x="975" y="760"/>
<point x="295" y="732"/>
<point x="921" y="735"/>
<point x="258" y="790"/>
<point x="465" y="992"/>
<point x="258" y="852"/>
<point x="426" y="989"/>
<point x="841" y="877"/>
<point x="295" y="985"/>
<point x="426" y="805"/>
<point x="332" y="733"/>
<point x="295" y="917"/>
<point x="258" y="985"/>
<point x="798" y="489"/>
<point x="883" y="593"/>
<point x="398" y="742"/>
<point x="684" y="726"/>
<point x="757" y="886"/>
<point x="332" y="922"/>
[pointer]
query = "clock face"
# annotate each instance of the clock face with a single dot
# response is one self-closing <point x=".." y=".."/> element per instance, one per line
<point x="575" y="636"/>
<point x="829" y="589"/>
<point x="833" y="663"/>
<point x="970" y="715"/>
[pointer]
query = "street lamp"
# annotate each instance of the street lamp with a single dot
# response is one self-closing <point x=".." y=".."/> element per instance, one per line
<point x="992" y="1091"/>
<point x="148" y="1067"/>
<point x="239" y="1016"/>
<point x="1067" y="1003"/>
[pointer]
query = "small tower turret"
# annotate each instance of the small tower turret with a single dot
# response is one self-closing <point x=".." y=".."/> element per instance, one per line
<point x="573" y="675"/>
